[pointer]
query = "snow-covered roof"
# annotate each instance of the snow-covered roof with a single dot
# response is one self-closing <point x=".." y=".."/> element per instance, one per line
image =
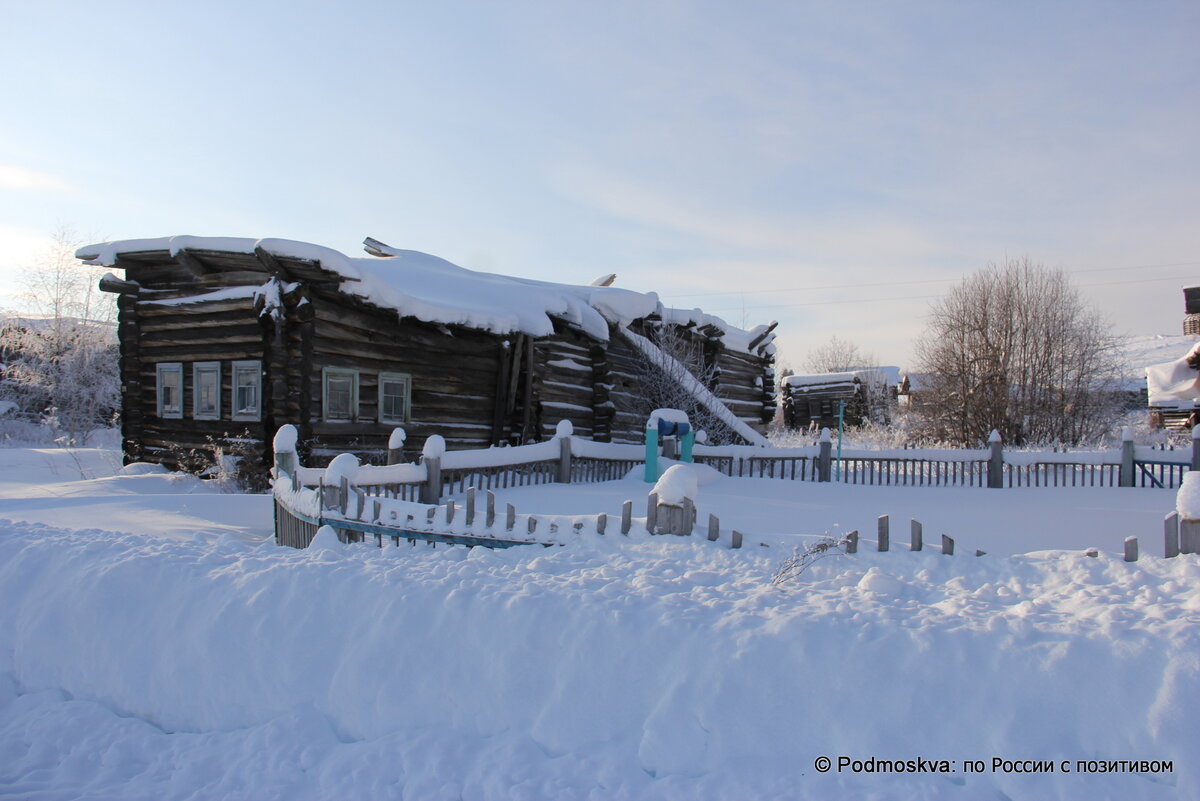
<point x="885" y="374"/>
<point x="1139" y="352"/>
<point x="1172" y="383"/>
<point x="434" y="290"/>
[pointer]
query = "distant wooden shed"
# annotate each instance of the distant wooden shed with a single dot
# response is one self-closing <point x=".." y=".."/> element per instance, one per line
<point x="813" y="401"/>
<point x="224" y="340"/>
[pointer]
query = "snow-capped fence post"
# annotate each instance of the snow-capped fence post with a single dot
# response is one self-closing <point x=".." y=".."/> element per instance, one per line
<point x="672" y="508"/>
<point x="824" y="456"/>
<point x="1171" y="535"/>
<point x="1131" y="549"/>
<point x="1125" y="478"/>
<point x="884" y="532"/>
<point x="1196" y="447"/>
<point x="563" y="434"/>
<point x="284" y="446"/>
<point x="396" y="446"/>
<point x="852" y="542"/>
<point x="1187" y="504"/>
<point x="431" y="457"/>
<point x="995" y="461"/>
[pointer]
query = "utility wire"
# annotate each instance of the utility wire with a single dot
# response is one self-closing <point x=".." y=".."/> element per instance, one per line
<point x="930" y="281"/>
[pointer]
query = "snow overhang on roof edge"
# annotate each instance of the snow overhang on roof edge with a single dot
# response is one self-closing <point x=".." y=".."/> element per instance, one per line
<point x="434" y="290"/>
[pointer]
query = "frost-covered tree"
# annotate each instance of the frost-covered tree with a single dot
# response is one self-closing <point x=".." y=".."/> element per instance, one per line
<point x="663" y="383"/>
<point x="60" y="356"/>
<point x="836" y="356"/>
<point x="1015" y="348"/>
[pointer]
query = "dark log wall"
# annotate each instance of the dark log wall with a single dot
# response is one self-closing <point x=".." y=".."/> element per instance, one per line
<point x="473" y="388"/>
<point x="222" y="332"/>
<point x="455" y="375"/>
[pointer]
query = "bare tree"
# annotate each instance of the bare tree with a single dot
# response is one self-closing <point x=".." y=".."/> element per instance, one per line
<point x="1014" y="348"/>
<point x="836" y="356"/>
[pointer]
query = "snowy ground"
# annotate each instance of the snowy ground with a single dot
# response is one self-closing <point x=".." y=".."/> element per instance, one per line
<point x="154" y="646"/>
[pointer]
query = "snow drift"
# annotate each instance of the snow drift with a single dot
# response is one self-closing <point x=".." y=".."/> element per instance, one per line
<point x="612" y="668"/>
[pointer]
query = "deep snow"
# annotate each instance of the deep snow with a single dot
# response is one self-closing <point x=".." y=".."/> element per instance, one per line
<point x="214" y="665"/>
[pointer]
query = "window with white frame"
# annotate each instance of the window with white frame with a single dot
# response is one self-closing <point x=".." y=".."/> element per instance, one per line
<point x="339" y="396"/>
<point x="206" y="391"/>
<point x="247" y="390"/>
<point x="395" y="397"/>
<point x="169" y="382"/>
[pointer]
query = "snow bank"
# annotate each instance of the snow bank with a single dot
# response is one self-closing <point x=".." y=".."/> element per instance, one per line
<point x="676" y="483"/>
<point x="1187" y="500"/>
<point x="131" y="667"/>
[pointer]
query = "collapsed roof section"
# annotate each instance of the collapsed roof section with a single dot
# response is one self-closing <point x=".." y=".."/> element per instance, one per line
<point x="434" y="290"/>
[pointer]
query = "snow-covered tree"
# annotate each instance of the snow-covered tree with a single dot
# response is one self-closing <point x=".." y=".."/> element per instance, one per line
<point x="60" y="356"/>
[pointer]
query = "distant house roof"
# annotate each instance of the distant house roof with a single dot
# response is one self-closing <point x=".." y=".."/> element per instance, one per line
<point x="885" y="374"/>
<point x="432" y="289"/>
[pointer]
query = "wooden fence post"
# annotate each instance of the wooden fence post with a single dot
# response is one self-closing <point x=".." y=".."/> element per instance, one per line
<point x="470" y="505"/>
<point x="916" y="536"/>
<point x="736" y="538"/>
<point x="652" y="512"/>
<point x="510" y="517"/>
<point x="852" y="542"/>
<point x="714" y="528"/>
<point x="1125" y="478"/>
<point x="626" y="517"/>
<point x="563" y="434"/>
<point x="884" y="533"/>
<point x="396" y="446"/>
<point x="431" y="490"/>
<point x="1171" y="535"/>
<point x="601" y="523"/>
<point x="1131" y="549"/>
<point x="1188" y="534"/>
<point x="995" y="461"/>
<point x="491" y="509"/>
<point x="947" y="546"/>
<point x="824" y="457"/>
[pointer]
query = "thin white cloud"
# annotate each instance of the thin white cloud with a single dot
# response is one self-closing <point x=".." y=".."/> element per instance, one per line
<point x="21" y="179"/>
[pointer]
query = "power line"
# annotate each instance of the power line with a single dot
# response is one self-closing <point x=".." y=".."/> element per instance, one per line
<point x="923" y="297"/>
<point x="925" y="281"/>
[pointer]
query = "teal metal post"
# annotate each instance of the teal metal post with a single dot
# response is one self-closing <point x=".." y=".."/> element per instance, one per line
<point x="685" y="451"/>
<point x="651" y="455"/>
<point x="837" y="465"/>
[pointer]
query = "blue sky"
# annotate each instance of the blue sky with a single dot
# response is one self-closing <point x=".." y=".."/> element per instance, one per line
<point x="834" y="166"/>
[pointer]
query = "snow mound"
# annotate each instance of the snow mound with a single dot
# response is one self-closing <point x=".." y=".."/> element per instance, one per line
<point x="135" y="667"/>
<point x="678" y="482"/>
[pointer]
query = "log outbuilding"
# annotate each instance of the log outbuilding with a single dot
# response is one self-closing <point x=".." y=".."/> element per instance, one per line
<point x="224" y="340"/>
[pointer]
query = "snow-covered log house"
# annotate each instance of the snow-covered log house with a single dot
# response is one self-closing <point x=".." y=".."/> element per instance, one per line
<point x="224" y="340"/>
<point x="812" y="401"/>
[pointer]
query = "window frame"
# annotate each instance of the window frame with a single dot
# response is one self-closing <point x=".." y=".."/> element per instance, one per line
<point x="353" y="375"/>
<point x="163" y="370"/>
<point x="200" y="369"/>
<point x="254" y="367"/>
<point x="406" y="380"/>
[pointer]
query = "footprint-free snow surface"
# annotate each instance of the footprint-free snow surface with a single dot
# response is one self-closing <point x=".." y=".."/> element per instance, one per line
<point x="159" y="666"/>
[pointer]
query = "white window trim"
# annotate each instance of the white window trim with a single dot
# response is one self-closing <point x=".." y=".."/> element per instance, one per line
<point x="256" y="366"/>
<point x="326" y="372"/>
<point x="161" y="370"/>
<point x="199" y="369"/>
<point x="406" y="378"/>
